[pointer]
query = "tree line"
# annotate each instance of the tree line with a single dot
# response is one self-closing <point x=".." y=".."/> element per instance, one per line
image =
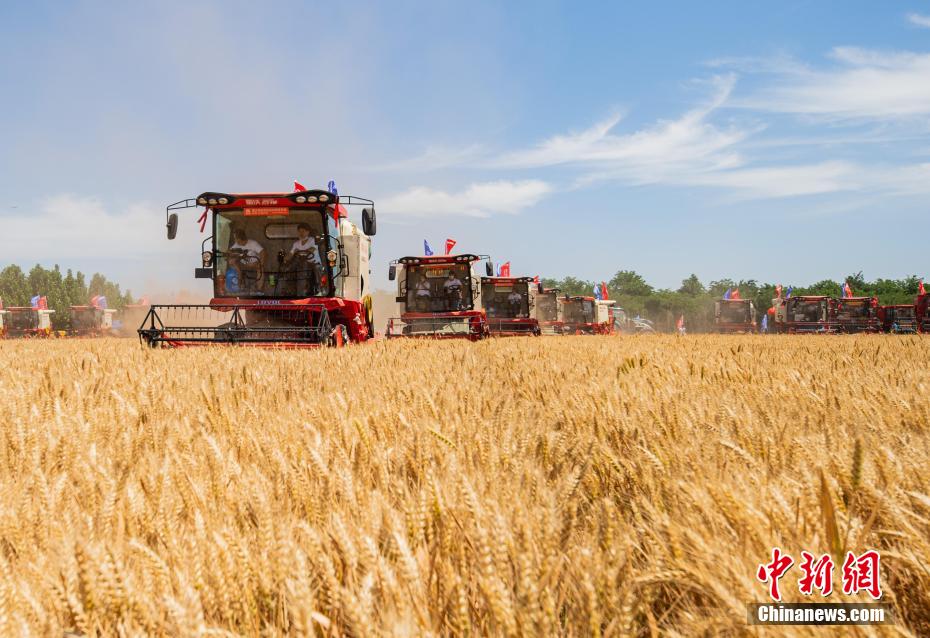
<point x="17" y="288"/>
<point x="695" y="300"/>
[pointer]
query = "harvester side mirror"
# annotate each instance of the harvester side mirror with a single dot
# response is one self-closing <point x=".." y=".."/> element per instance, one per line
<point x="392" y="272"/>
<point x="489" y="269"/>
<point x="172" y="225"/>
<point x="369" y="221"/>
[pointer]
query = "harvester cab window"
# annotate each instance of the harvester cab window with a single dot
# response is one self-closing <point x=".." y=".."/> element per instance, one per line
<point x="808" y="311"/>
<point x="579" y="311"/>
<point x="858" y="309"/>
<point x="506" y="300"/>
<point x="547" y="307"/>
<point x="439" y="288"/>
<point x="23" y="320"/>
<point x="735" y="313"/>
<point x="275" y="256"/>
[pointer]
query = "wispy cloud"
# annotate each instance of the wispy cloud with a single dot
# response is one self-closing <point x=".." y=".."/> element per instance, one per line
<point x="864" y="84"/>
<point x="919" y="20"/>
<point x="478" y="200"/>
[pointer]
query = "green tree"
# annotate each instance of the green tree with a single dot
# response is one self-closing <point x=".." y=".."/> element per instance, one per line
<point x="692" y="286"/>
<point x="629" y="283"/>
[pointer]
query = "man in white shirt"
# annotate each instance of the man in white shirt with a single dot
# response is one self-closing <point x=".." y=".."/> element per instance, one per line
<point x="515" y="300"/>
<point x="303" y="262"/>
<point x="247" y="258"/>
<point x="453" y="289"/>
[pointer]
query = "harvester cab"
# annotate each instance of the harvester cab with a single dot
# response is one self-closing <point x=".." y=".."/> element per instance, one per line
<point x="804" y="314"/>
<point x="91" y="321"/>
<point x="287" y="269"/>
<point x="549" y="311"/>
<point x="438" y="296"/>
<point x="587" y="315"/>
<point x="857" y="314"/>
<point x="27" y="322"/>
<point x="922" y="312"/>
<point x="900" y="319"/>
<point x="510" y="306"/>
<point x="734" y="315"/>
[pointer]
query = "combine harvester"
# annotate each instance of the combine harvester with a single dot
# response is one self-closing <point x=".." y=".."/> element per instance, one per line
<point x="898" y="319"/>
<point x="922" y="310"/>
<point x="510" y="306"/>
<point x="733" y="314"/>
<point x="438" y="297"/>
<point x="288" y="270"/>
<point x="549" y="312"/>
<point x="587" y="315"/>
<point x="93" y="320"/>
<point x="28" y="322"/>
<point x="855" y="315"/>
<point x="811" y="314"/>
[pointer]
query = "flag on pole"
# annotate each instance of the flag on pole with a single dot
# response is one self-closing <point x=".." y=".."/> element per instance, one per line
<point x="597" y="291"/>
<point x="727" y="294"/>
<point x="450" y="244"/>
<point x="535" y="281"/>
<point x="331" y="187"/>
<point x="765" y="323"/>
<point x="299" y="187"/>
<point x="604" y="291"/>
<point x="778" y="291"/>
<point x="790" y="288"/>
<point x="680" y="324"/>
<point x="426" y="249"/>
<point x="847" y="291"/>
<point x="505" y="269"/>
<point x="735" y="294"/>
<point x="920" y="288"/>
<point x="43" y="303"/>
<point x="34" y="302"/>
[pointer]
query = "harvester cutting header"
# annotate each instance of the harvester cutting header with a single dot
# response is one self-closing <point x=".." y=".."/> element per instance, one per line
<point x="288" y="269"/>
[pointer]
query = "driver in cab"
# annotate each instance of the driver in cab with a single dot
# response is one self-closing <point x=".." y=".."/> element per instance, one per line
<point x="515" y="300"/>
<point x="453" y="289"/>
<point x="246" y="258"/>
<point x="424" y="292"/>
<point x="303" y="261"/>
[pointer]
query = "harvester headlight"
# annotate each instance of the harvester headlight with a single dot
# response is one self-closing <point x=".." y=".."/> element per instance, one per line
<point x="324" y="198"/>
<point x="207" y="258"/>
<point x="212" y="201"/>
<point x="300" y="199"/>
<point x="311" y="199"/>
<point x="331" y="257"/>
<point x="223" y="200"/>
<point x="202" y="201"/>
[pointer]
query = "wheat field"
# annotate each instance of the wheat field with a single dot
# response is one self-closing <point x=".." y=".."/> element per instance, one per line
<point x="574" y="486"/>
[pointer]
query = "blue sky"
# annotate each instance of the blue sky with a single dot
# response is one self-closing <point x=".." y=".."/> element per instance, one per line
<point x="728" y="139"/>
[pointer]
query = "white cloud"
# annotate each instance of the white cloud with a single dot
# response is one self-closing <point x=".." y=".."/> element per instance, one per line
<point x="919" y="20"/>
<point x="866" y="84"/>
<point x="478" y="200"/>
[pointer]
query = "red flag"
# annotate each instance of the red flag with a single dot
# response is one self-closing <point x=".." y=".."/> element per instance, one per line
<point x="43" y="303"/>
<point x="604" y="291"/>
<point x="735" y="294"/>
<point x="920" y="288"/>
<point x="680" y="323"/>
<point x="505" y="269"/>
<point x="778" y="291"/>
<point x="535" y="281"/>
<point x="203" y="220"/>
<point x="450" y="244"/>
<point x="299" y="187"/>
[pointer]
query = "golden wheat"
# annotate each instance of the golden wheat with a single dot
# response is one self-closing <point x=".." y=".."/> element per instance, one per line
<point x="576" y="486"/>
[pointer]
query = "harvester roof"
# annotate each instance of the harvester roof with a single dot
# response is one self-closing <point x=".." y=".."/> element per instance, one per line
<point x="434" y="260"/>
<point x="265" y="203"/>
<point x="506" y="280"/>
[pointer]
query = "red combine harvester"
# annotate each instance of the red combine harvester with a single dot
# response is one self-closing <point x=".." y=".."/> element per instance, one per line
<point x="92" y="320"/>
<point x="587" y="315"/>
<point x="549" y="311"/>
<point x="922" y="312"/>
<point x="288" y="270"/>
<point x="439" y="297"/>
<point x="510" y="306"/>
<point x="899" y="318"/>
<point x="734" y="315"/>
<point x="804" y="314"/>
<point x="26" y="322"/>
<point x="856" y="315"/>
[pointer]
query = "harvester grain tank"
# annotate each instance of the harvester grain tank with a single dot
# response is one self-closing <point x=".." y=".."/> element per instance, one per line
<point x="28" y="322"/>
<point x="438" y="296"/>
<point x="549" y="311"/>
<point x="287" y="269"/>
<point x="804" y="314"/>
<point x="857" y="315"/>
<point x="510" y="306"/>
<point x="734" y="315"/>
<point x="899" y="318"/>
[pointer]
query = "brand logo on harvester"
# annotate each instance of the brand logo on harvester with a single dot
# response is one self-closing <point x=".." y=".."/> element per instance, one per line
<point x="859" y="573"/>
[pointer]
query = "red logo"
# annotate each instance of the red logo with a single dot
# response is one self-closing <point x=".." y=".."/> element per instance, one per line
<point x="859" y="573"/>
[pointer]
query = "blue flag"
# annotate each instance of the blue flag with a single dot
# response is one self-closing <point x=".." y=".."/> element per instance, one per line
<point x="426" y="249"/>
<point x="726" y="295"/>
<point x="765" y="323"/>
<point x="331" y="187"/>
<point x="788" y="294"/>
<point x="597" y="291"/>
<point x="35" y="301"/>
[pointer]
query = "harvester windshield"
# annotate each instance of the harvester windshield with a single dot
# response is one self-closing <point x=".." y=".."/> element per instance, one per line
<point x="23" y="319"/>
<point x="853" y="309"/>
<point x="579" y="311"/>
<point x="807" y="310"/>
<point x="280" y="256"/>
<point x="442" y="287"/>
<point x="547" y="307"/>
<point x="904" y="312"/>
<point x="506" y="299"/>
<point x="735" y="312"/>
